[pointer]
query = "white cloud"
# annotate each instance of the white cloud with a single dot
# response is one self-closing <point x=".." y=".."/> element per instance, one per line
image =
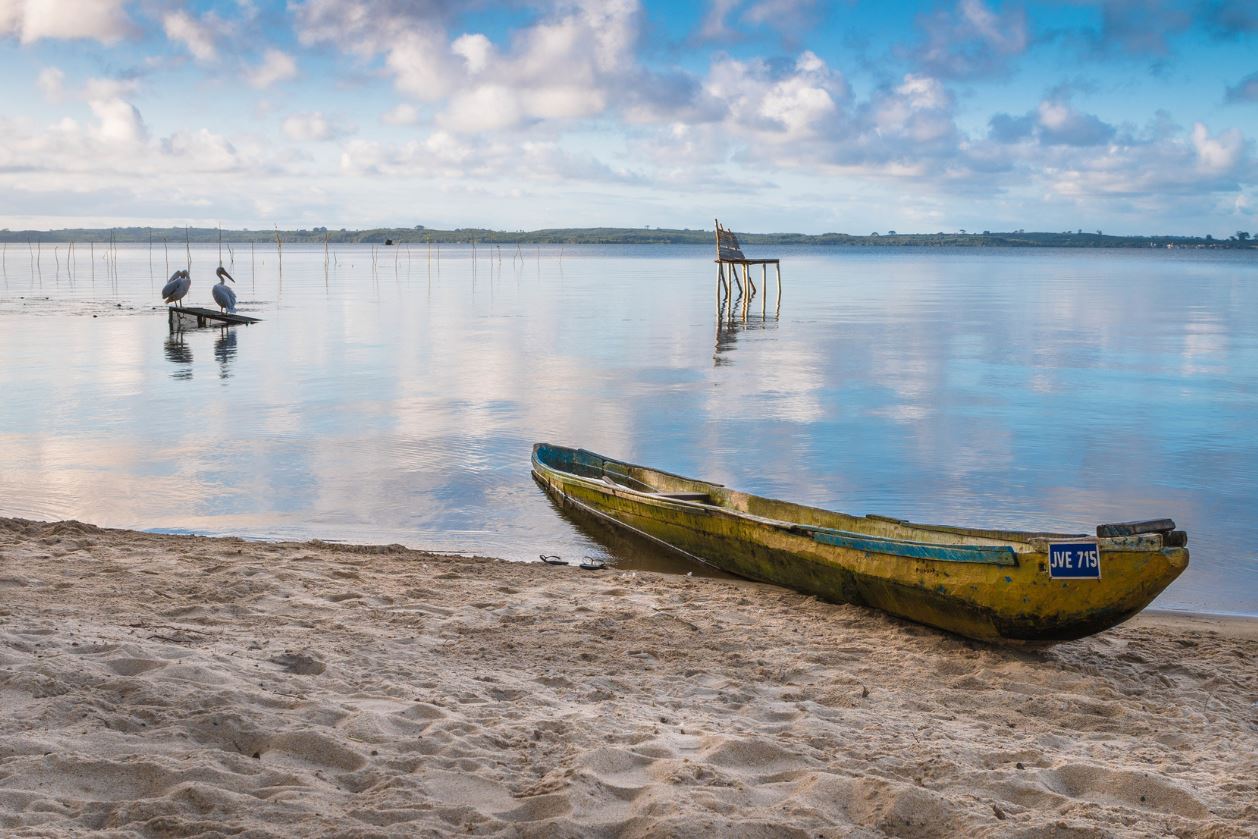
<point x="475" y="49"/>
<point x="367" y="27"/>
<point x="1218" y="155"/>
<point x="918" y="110"/>
<point x="971" y="41"/>
<point x="778" y="107"/>
<point x="401" y="114"/>
<point x="715" y="25"/>
<point x="196" y="35"/>
<point x="456" y="157"/>
<point x="423" y="65"/>
<point x="51" y="83"/>
<point x="569" y="64"/>
<point x="788" y="16"/>
<point x="119" y="122"/>
<point x="97" y="88"/>
<point x="276" y="66"/>
<point x="32" y="20"/>
<point x="314" y="127"/>
<point x="207" y="150"/>
<point x="488" y="107"/>
<point x="1062" y="124"/>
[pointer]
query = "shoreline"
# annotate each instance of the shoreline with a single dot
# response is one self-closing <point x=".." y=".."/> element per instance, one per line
<point x="1231" y="621"/>
<point x="173" y="684"/>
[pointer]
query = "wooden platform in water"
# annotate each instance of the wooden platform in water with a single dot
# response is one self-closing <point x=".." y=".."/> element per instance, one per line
<point x="195" y="318"/>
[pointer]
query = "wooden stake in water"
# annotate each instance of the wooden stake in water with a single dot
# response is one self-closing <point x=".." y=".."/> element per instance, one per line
<point x="279" y="249"/>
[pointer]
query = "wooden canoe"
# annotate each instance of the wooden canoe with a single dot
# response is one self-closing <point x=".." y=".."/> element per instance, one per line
<point x="992" y="585"/>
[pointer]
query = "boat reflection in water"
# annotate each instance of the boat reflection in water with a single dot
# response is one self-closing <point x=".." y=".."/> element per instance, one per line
<point x="625" y="550"/>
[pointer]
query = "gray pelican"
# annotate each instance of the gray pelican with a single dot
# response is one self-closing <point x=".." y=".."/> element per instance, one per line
<point x="177" y="288"/>
<point x="224" y="296"/>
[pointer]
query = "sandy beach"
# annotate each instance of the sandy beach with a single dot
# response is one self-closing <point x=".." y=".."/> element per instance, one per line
<point x="159" y="685"/>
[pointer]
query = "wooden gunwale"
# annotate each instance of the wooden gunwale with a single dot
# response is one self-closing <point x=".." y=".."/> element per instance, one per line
<point x="834" y="536"/>
<point x="989" y="554"/>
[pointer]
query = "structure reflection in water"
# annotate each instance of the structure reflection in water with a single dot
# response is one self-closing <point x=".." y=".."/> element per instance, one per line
<point x="735" y="314"/>
<point x="178" y="352"/>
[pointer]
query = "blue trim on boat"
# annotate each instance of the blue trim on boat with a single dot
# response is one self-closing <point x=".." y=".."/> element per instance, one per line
<point x="984" y="554"/>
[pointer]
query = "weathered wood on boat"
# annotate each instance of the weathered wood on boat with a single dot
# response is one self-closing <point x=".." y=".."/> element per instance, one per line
<point x="1135" y="528"/>
<point x="192" y="317"/>
<point x="993" y="585"/>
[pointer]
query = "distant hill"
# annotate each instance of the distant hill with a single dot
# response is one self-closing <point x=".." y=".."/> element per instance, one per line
<point x="620" y="236"/>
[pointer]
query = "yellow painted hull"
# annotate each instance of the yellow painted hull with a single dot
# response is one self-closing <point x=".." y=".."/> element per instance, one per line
<point x="992" y="585"/>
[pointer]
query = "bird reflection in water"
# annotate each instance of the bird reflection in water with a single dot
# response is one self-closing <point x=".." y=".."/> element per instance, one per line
<point x="225" y="351"/>
<point x="178" y="352"/>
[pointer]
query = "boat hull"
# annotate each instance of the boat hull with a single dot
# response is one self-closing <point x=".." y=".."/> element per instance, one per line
<point x="974" y="583"/>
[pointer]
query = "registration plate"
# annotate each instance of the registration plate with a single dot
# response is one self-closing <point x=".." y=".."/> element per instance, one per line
<point x="1074" y="560"/>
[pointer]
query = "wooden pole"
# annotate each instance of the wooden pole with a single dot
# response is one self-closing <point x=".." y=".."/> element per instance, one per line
<point x="778" y="266"/>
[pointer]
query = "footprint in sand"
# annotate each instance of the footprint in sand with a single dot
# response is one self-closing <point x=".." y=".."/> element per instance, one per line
<point x="1125" y="788"/>
<point x="299" y="664"/>
<point x="134" y="666"/>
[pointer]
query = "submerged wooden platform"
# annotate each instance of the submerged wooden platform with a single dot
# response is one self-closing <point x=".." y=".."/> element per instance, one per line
<point x="192" y="317"/>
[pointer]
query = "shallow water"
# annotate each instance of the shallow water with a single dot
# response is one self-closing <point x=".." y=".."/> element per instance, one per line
<point x="1029" y="389"/>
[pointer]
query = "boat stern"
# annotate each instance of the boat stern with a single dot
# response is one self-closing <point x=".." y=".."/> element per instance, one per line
<point x="1130" y="574"/>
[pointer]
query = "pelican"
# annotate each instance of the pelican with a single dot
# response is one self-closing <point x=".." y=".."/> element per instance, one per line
<point x="224" y="296"/>
<point x="177" y="288"/>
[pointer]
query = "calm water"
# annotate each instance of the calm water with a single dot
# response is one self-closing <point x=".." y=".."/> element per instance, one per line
<point x="1030" y="389"/>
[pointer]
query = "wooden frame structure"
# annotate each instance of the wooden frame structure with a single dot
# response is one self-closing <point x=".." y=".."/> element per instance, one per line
<point x="728" y="252"/>
<point x="192" y="317"/>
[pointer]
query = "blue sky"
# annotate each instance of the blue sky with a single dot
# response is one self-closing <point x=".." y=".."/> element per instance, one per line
<point x="1131" y="116"/>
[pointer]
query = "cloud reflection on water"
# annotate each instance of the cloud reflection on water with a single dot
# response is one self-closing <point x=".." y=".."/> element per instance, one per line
<point x="1030" y="389"/>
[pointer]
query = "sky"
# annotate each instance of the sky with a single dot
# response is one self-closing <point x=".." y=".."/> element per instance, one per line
<point x="1127" y="116"/>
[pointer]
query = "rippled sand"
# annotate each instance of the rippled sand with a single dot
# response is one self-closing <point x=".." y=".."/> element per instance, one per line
<point x="168" y="685"/>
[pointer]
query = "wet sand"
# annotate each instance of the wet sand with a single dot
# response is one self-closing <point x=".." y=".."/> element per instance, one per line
<point x="182" y="686"/>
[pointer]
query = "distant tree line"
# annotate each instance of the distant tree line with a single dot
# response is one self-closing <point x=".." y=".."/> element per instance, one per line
<point x="419" y="234"/>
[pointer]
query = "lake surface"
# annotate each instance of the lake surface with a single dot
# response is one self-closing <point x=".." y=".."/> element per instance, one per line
<point x="398" y="402"/>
